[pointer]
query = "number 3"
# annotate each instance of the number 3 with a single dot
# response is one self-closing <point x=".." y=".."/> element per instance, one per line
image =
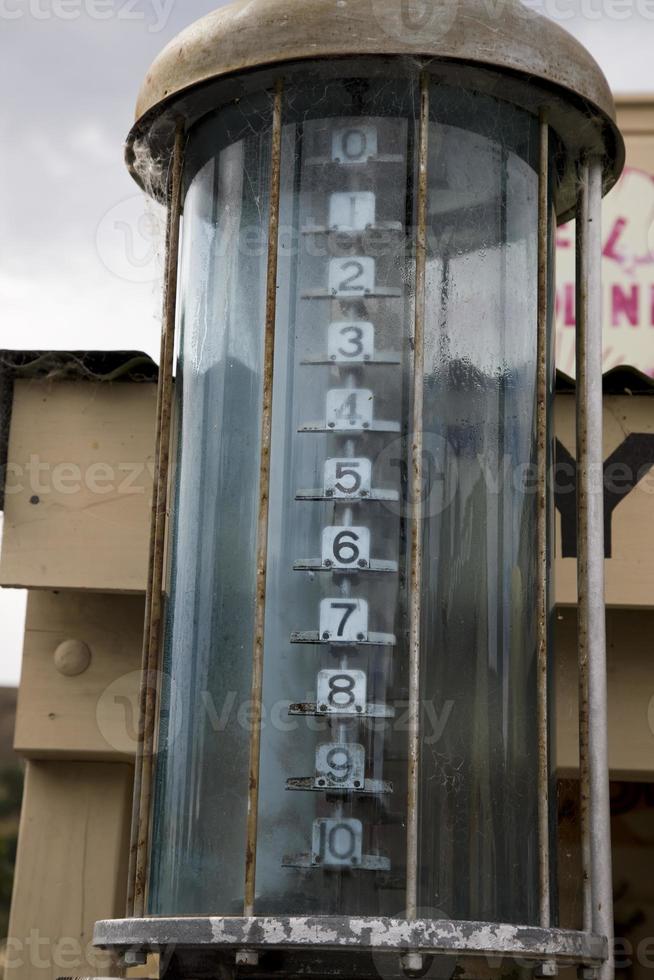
<point x="351" y="340"/>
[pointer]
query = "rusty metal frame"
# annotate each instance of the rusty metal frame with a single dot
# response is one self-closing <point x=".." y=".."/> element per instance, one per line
<point x="154" y="611"/>
<point x="264" y="501"/>
<point x="416" y="471"/>
<point x="591" y="625"/>
<point x="542" y="578"/>
<point x="581" y="261"/>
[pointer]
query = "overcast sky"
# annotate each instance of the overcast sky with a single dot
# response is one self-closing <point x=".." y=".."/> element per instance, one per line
<point x="76" y="252"/>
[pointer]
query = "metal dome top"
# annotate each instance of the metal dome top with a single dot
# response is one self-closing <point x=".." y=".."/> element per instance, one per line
<point x="503" y="35"/>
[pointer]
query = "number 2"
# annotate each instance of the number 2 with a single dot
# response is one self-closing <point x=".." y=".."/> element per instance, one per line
<point x="352" y="276"/>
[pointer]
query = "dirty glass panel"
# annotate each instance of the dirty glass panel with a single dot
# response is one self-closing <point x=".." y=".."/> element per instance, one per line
<point x="333" y="775"/>
<point x="198" y="848"/>
<point x="478" y="774"/>
<point x="332" y="806"/>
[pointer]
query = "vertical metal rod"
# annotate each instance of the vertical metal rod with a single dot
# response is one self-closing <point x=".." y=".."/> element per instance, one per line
<point x="143" y="772"/>
<point x="582" y="313"/>
<point x="416" y="483"/>
<point x="542" y="410"/>
<point x="264" y="499"/>
<point x="590" y="550"/>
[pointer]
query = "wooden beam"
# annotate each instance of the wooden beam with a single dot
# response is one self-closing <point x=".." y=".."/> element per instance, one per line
<point x="79" y="486"/>
<point x="93" y="714"/>
<point x="70" y="869"/>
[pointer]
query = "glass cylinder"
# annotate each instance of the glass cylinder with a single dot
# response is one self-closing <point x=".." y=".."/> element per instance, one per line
<point x="332" y="804"/>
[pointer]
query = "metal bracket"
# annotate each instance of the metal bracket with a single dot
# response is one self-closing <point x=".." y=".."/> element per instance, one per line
<point x="369" y="862"/>
<point x="373" y="426"/>
<point x="318" y="565"/>
<point x="370" y="711"/>
<point x="371" y="787"/>
<point x="372" y="640"/>
<point x="390" y="496"/>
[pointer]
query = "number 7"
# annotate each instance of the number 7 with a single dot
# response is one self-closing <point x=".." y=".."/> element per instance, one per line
<point x="349" y="608"/>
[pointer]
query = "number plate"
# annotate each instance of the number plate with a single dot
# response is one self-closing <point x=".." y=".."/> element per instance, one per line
<point x="344" y="620"/>
<point x="345" y="479"/>
<point x="349" y="408"/>
<point x="351" y="276"/>
<point x="341" y="692"/>
<point x="351" y="340"/>
<point x="337" y="843"/>
<point x="356" y="144"/>
<point x="340" y="766"/>
<point x="352" y="212"/>
<point x="346" y="547"/>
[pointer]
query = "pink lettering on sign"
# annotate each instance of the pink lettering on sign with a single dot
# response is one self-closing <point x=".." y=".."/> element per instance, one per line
<point x="624" y="305"/>
<point x="565" y="305"/>
<point x="627" y="277"/>
<point x="610" y="250"/>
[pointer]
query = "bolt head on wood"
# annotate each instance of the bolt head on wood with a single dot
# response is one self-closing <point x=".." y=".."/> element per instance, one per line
<point x="72" y="657"/>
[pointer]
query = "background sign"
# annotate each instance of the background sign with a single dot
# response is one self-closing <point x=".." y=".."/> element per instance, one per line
<point x="628" y="278"/>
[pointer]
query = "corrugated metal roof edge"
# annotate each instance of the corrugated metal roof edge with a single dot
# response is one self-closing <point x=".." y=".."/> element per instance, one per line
<point x="59" y="365"/>
<point x="136" y="366"/>
<point x="621" y="380"/>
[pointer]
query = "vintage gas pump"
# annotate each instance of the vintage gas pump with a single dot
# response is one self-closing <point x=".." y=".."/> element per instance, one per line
<point x="346" y="765"/>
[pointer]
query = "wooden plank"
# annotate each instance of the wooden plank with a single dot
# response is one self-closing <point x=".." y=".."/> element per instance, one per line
<point x="631" y="701"/>
<point x="641" y="151"/>
<point x="70" y="869"/>
<point x="91" y="715"/>
<point x="79" y="486"/>
<point x="635" y="114"/>
<point x="85" y="540"/>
